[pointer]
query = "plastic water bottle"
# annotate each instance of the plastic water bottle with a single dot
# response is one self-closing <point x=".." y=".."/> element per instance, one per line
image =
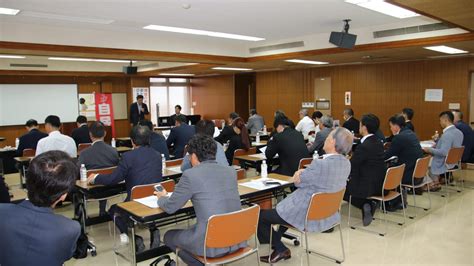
<point x="189" y="122"/>
<point x="315" y="155"/>
<point x="352" y="131"/>
<point x="257" y="138"/>
<point x="113" y="143"/>
<point x="265" y="129"/>
<point x="17" y="143"/>
<point x="163" y="164"/>
<point x="263" y="171"/>
<point x="83" y="173"/>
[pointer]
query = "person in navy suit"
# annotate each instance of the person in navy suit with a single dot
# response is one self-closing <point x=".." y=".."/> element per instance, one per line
<point x="81" y="133"/>
<point x="138" y="110"/>
<point x="350" y="123"/>
<point x="31" y="233"/>
<point x="30" y="139"/>
<point x="157" y="141"/>
<point x="140" y="166"/>
<point x="468" y="140"/>
<point x="180" y="135"/>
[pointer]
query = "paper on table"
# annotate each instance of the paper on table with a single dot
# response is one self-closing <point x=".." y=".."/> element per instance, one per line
<point x="427" y="144"/>
<point x="259" y="184"/>
<point x="150" y="201"/>
<point x="259" y="156"/>
<point x="263" y="149"/>
<point x="175" y="168"/>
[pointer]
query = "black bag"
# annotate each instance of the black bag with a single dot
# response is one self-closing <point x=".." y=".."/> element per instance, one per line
<point x="81" y="246"/>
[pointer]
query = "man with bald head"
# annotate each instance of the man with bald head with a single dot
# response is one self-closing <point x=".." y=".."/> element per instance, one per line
<point x="468" y="141"/>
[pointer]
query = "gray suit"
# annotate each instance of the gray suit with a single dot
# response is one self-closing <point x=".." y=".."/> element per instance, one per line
<point x="324" y="175"/>
<point x="255" y="123"/>
<point x="452" y="137"/>
<point x="318" y="143"/>
<point x="212" y="188"/>
<point x="220" y="158"/>
<point x="99" y="155"/>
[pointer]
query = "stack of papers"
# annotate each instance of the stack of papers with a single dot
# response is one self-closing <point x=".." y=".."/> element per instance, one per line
<point x="150" y="201"/>
<point x="259" y="156"/>
<point x="427" y="144"/>
<point x="176" y="169"/>
<point x="262" y="183"/>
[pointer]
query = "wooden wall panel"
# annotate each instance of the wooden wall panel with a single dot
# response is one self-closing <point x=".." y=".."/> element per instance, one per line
<point x="214" y="96"/>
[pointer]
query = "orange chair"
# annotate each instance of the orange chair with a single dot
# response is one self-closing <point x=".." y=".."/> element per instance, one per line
<point x="419" y="173"/>
<point x="82" y="147"/>
<point x="229" y="229"/>
<point x="240" y="152"/>
<point x="322" y="206"/>
<point x="175" y="162"/>
<point x="241" y="174"/>
<point x="392" y="182"/>
<point x="304" y="162"/>
<point x="454" y="157"/>
<point x="142" y="191"/>
<point x="29" y="152"/>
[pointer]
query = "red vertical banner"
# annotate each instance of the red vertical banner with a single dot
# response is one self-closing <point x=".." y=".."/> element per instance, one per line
<point x="104" y="110"/>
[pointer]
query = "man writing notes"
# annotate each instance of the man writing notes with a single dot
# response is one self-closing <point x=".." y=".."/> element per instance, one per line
<point x="138" y="110"/>
<point x="30" y="139"/>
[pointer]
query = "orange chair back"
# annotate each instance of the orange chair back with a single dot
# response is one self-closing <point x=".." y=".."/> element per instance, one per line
<point x="393" y="177"/>
<point x="454" y="155"/>
<point x="241" y="174"/>
<point x="102" y="171"/>
<point x="142" y="191"/>
<point x="82" y="147"/>
<point x="324" y="205"/>
<point x="304" y="161"/>
<point x="421" y="167"/>
<point x="29" y="152"/>
<point x="176" y="162"/>
<point x="240" y="152"/>
<point x="225" y="230"/>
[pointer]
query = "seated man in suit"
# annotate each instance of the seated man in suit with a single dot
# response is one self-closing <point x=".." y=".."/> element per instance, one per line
<point x="206" y="127"/>
<point x="227" y="132"/>
<point x="81" y="133"/>
<point x="177" y="112"/>
<point x="326" y="175"/>
<point x="452" y="137"/>
<point x="157" y="141"/>
<point x="367" y="169"/>
<point x="468" y="133"/>
<point x="255" y="123"/>
<point x="30" y="139"/>
<point x="140" y="166"/>
<point x="350" y="123"/>
<point x="325" y="127"/>
<point x="99" y="154"/>
<point x="179" y="136"/>
<point x="138" y="110"/>
<point x="288" y="144"/>
<point x="408" y="114"/>
<point x="55" y="140"/>
<point x="212" y="188"/>
<point x="306" y="124"/>
<point x="31" y="233"/>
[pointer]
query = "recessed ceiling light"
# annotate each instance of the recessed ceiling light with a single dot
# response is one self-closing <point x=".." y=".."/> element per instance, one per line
<point x="176" y="74"/>
<point x="12" y="56"/>
<point x="8" y="11"/>
<point x="446" y="49"/>
<point x="232" y="68"/>
<point x="383" y="7"/>
<point x="203" y="32"/>
<point x="66" y="18"/>
<point x="306" y="62"/>
<point x="89" y="60"/>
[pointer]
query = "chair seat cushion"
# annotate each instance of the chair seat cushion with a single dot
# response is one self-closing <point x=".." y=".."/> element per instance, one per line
<point x="390" y="196"/>
<point x="240" y="253"/>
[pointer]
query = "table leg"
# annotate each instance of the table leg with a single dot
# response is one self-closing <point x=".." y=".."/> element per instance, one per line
<point x="133" y="254"/>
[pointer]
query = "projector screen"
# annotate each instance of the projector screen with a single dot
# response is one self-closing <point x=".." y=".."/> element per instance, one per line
<point x="20" y="102"/>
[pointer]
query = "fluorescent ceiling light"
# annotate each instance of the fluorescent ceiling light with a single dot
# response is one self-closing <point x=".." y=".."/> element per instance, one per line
<point x="232" y="68"/>
<point x="203" y="32"/>
<point x="8" y="11"/>
<point x="176" y="74"/>
<point x="89" y="60"/>
<point x="383" y="7"/>
<point x="306" y="62"/>
<point x="66" y="18"/>
<point x="446" y="49"/>
<point x="12" y="56"/>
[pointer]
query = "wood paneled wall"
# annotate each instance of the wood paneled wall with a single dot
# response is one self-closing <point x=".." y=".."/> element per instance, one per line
<point x="382" y="89"/>
<point x="214" y="96"/>
<point x="85" y="85"/>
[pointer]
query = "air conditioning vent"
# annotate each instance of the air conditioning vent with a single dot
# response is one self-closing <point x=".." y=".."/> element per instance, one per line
<point x="411" y="30"/>
<point x="276" y="47"/>
<point x="28" y="65"/>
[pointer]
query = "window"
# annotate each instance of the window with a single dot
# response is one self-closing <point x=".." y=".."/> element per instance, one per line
<point x="166" y="93"/>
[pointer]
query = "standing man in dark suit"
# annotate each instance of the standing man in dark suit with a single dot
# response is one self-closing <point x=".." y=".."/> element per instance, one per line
<point x="367" y="169"/>
<point x="140" y="166"/>
<point x="157" y="141"/>
<point x="31" y="233"/>
<point x="350" y="123"/>
<point x="81" y="133"/>
<point x="212" y="188"/>
<point x="138" y="110"/>
<point x="177" y="112"/>
<point x="30" y="139"/>
<point x="227" y="132"/>
<point x="468" y="140"/>
<point x="408" y="114"/>
<point x="290" y="146"/>
<point x="179" y="136"/>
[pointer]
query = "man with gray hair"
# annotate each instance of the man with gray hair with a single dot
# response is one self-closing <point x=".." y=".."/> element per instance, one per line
<point x="255" y="122"/>
<point x="325" y="126"/>
<point x="323" y="175"/>
<point x="306" y="124"/>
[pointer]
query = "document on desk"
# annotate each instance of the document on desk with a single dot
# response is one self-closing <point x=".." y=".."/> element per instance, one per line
<point x="150" y="201"/>
<point x="427" y="144"/>
<point x="259" y="156"/>
<point x="263" y="149"/>
<point x="176" y="169"/>
<point x="263" y="183"/>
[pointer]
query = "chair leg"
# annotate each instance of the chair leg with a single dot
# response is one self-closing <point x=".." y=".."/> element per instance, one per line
<point x="414" y="203"/>
<point x="349" y="207"/>
<point x="270" y="243"/>
<point x="403" y="207"/>
<point x="257" y="246"/>
<point x="384" y="219"/>
<point x="342" y="244"/>
<point x="177" y="257"/>
<point x="429" y="198"/>
<point x="307" y="247"/>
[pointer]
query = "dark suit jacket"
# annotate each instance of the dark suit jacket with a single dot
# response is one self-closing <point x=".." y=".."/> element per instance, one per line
<point x="318" y="143"/>
<point x="225" y="135"/>
<point x="99" y="155"/>
<point x="34" y="235"/>
<point x="81" y="135"/>
<point x="30" y="140"/>
<point x="235" y="143"/>
<point x="291" y="148"/>
<point x="407" y="147"/>
<point x="135" y="117"/>
<point x="4" y="195"/>
<point x="158" y="143"/>
<point x="410" y="126"/>
<point x="367" y="169"/>
<point x="352" y="125"/>
<point x="468" y="140"/>
<point x="173" y="119"/>
<point x="139" y="166"/>
<point x="180" y="136"/>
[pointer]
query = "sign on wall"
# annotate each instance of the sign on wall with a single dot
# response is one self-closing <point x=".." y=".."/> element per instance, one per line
<point x="433" y="95"/>
<point x="347" y="98"/>
<point x="104" y="110"/>
<point x="145" y="91"/>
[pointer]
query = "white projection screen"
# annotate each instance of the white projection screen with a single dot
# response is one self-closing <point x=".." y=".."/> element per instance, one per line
<point x="20" y="102"/>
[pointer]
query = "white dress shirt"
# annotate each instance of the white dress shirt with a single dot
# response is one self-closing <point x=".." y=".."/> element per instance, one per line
<point x="365" y="137"/>
<point x="57" y="141"/>
<point x="305" y="125"/>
